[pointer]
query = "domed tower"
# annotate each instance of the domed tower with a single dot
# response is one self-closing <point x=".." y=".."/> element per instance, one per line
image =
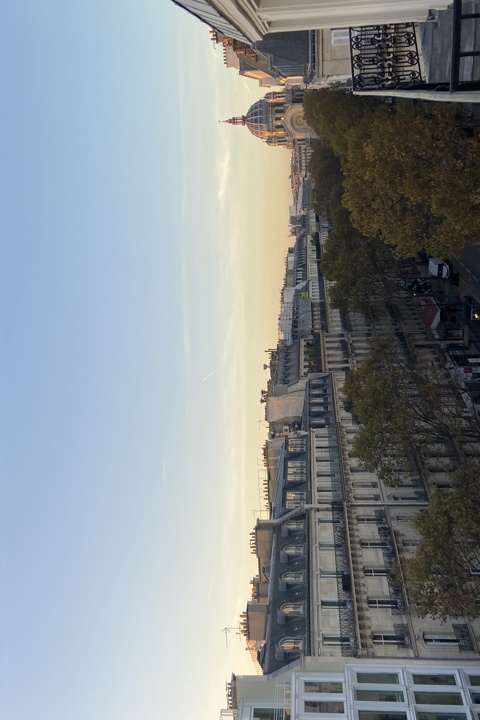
<point x="277" y="118"/>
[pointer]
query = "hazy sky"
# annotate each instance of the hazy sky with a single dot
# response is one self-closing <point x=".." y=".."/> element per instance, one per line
<point x="141" y="258"/>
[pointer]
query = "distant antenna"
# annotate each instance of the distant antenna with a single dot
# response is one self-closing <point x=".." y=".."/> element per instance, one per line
<point x="226" y="630"/>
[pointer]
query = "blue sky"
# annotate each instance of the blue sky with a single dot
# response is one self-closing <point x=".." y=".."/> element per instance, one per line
<point x="140" y="260"/>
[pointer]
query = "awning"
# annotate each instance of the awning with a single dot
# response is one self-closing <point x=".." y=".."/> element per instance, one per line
<point x="431" y="314"/>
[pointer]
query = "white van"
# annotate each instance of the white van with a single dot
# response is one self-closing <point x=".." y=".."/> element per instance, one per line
<point x="438" y="268"/>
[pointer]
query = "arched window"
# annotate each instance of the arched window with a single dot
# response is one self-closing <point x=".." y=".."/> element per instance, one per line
<point x="294" y="524"/>
<point x="292" y="608"/>
<point x="291" y="644"/>
<point x="293" y="578"/>
<point x="293" y="549"/>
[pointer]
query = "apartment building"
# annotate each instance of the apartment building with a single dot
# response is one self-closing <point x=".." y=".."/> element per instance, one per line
<point x="330" y="554"/>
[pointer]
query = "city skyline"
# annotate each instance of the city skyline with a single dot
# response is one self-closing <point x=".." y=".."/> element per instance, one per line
<point x="132" y="278"/>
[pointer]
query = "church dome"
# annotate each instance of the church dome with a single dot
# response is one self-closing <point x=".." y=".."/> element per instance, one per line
<point x="267" y="118"/>
<point x="260" y="119"/>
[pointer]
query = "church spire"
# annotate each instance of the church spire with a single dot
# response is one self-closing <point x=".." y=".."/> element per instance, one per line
<point x="236" y="120"/>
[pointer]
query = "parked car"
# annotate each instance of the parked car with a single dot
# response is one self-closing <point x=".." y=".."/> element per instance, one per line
<point x="438" y="267"/>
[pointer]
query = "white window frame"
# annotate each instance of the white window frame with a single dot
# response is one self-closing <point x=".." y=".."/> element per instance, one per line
<point x="384" y="638"/>
<point x="336" y="640"/>
<point x="439" y="639"/>
<point x="375" y="571"/>
<point x="381" y="603"/>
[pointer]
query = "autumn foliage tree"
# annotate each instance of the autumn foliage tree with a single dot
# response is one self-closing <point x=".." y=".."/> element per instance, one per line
<point x="442" y="577"/>
<point x="366" y="274"/>
<point x="326" y="170"/>
<point x="412" y="176"/>
<point x="400" y="407"/>
<point x="413" y="179"/>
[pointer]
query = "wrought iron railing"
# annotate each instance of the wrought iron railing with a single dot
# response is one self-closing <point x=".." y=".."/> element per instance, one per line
<point x="384" y="57"/>
<point x="462" y="633"/>
<point x="402" y="635"/>
<point x="389" y="558"/>
<point x="346" y="612"/>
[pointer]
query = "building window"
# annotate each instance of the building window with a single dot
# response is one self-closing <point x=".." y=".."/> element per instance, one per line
<point x="296" y="471"/>
<point x="475" y="697"/>
<point x="336" y="640"/>
<point x="377" y="678"/>
<point x="326" y="573"/>
<point x="438" y="698"/>
<point x="322" y="687"/>
<point x="410" y="543"/>
<point x="366" y="519"/>
<point x="291" y="644"/>
<point x="381" y="603"/>
<point x="334" y="708"/>
<point x="375" y="571"/>
<point x="292" y="608"/>
<point x="440" y="716"/>
<point x="363" y="497"/>
<point x="379" y="695"/>
<point x="361" y="484"/>
<point x="384" y="639"/>
<point x="294" y="524"/>
<point x="295" y="476"/>
<point x="427" y="679"/>
<point x="430" y="639"/>
<point x="333" y="604"/>
<point x="293" y="578"/>
<point x="296" y="496"/>
<point x="297" y="464"/>
<point x="293" y="549"/>
<point x="381" y="715"/>
<point x="327" y="545"/>
<point x="405" y="498"/>
<point x="474" y="680"/>
<point x="268" y="714"/>
<point x="372" y="544"/>
<point x="297" y="445"/>
<point x="330" y="520"/>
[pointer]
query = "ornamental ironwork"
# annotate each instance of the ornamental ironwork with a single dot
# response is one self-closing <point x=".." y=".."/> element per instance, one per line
<point x="462" y="633"/>
<point x="384" y="57"/>
<point x="402" y="635"/>
<point x="389" y="559"/>
<point x="380" y="516"/>
<point x="344" y="583"/>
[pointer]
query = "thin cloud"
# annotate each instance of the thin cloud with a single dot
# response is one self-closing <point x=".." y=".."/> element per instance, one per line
<point x="223" y="174"/>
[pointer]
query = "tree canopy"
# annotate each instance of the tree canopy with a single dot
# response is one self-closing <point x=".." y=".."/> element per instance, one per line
<point x="400" y="407"/>
<point x="440" y="581"/>
<point x="412" y="178"/>
<point x="366" y="274"/>
<point x="332" y="113"/>
<point x="411" y="175"/>
<point x="326" y="170"/>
